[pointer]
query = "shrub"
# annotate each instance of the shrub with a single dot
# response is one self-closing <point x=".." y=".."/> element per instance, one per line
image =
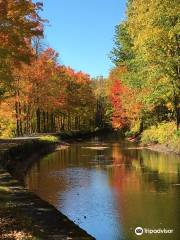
<point x="163" y="133"/>
<point x="135" y="129"/>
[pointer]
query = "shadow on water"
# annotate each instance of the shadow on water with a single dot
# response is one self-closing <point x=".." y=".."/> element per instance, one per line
<point x="109" y="187"/>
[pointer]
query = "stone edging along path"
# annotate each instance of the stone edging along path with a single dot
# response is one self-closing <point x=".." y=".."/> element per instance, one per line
<point x="23" y="215"/>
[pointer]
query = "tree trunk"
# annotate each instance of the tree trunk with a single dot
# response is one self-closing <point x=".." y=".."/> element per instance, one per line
<point x="44" y="121"/>
<point x="177" y="114"/>
<point x="141" y="128"/>
<point x="38" y="120"/>
<point x="52" y="123"/>
<point x="17" y="119"/>
<point x="20" y="120"/>
<point x="47" y="122"/>
<point x="62" y="123"/>
<point x="79" y="123"/>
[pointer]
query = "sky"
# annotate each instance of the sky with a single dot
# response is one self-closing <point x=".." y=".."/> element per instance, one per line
<point x="82" y="31"/>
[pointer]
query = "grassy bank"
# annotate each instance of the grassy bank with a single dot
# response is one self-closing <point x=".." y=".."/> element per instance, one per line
<point x="165" y="135"/>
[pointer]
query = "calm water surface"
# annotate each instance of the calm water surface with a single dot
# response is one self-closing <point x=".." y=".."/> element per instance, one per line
<point x="109" y="188"/>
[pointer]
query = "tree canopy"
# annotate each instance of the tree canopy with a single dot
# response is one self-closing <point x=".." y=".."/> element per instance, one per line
<point x="148" y="44"/>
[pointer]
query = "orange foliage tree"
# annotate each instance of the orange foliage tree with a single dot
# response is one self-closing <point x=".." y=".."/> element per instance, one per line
<point x="19" y="23"/>
<point x="126" y="108"/>
<point x="49" y="97"/>
<point x="36" y="92"/>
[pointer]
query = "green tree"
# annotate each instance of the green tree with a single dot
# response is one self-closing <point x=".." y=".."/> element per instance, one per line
<point x="122" y="51"/>
<point x="154" y="28"/>
<point x="148" y="44"/>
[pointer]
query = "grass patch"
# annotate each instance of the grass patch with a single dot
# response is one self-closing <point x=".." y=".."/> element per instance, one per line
<point x="49" y="138"/>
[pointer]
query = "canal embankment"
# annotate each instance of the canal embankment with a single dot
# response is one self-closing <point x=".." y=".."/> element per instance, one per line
<point x="23" y="215"/>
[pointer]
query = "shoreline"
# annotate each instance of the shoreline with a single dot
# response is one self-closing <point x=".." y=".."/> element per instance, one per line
<point x="162" y="148"/>
<point x="156" y="147"/>
<point x="46" y="222"/>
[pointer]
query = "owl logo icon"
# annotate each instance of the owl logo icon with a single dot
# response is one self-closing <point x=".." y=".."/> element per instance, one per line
<point x="139" y="231"/>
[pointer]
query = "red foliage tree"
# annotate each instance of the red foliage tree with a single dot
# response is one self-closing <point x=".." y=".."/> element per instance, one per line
<point x="119" y="119"/>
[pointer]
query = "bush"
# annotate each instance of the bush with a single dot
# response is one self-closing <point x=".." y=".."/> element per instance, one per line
<point x="129" y="134"/>
<point x="163" y="133"/>
<point x="135" y="129"/>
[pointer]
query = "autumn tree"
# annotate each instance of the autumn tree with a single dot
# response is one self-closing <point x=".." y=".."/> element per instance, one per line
<point x="118" y="115"/>
<point x="147" y="43"/>
<point x="50" y="97"/>
<point x="154" y="28"/>
<point x="19" y="23"/>
<point x="125" y="107"/>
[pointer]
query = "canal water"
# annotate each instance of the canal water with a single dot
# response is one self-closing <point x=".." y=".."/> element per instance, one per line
<point x="109" y="187"/>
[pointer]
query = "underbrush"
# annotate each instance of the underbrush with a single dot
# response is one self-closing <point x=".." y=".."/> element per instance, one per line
<point x="164" y="133"/>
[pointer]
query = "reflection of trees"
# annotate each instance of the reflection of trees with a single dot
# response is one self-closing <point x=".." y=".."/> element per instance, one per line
<point x="149" y="170"/>
<point x="41" y="180"/>
<point x="151" y="179"/>
<point x="121" y="173"/>
<point x="137" y="177"/>
<point x="140" y="179"/>
<point x="44" y="184"/>
<point x="161" y="167"/>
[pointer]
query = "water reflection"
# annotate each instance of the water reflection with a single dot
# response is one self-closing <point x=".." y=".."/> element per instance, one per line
<point x="109" y="188"/>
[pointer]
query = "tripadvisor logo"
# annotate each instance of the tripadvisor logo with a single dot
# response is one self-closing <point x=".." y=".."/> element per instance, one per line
<point x="139" y="231"/>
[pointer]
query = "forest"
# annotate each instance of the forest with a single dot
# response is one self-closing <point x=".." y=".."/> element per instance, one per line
<point x="140" y="97"/>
